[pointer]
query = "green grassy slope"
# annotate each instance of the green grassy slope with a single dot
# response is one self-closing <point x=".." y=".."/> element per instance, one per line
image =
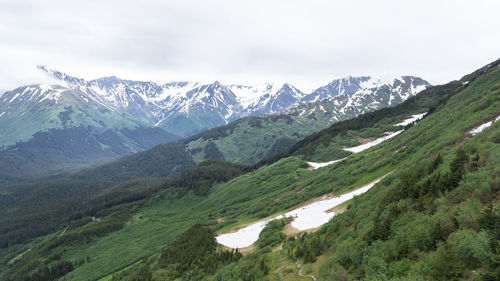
<point x="245" y="141"/>
<point x="287" y="182"/>
<point x="429" y="220"/>
<point x="394" y="224"/>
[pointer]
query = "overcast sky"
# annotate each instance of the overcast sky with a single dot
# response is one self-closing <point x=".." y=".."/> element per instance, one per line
<point x="307" y="43"/>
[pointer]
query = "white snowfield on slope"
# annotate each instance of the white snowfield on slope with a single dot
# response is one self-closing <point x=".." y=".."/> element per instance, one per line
<point x="412" y="119"/>
<point x="306" y="217"/>
<point x="365" y="146"/>
<point x="355" y="149"/>
<point x="481" y="128"/>
<point x="315" y="165"/>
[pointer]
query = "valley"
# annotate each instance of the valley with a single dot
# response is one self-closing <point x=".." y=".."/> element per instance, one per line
<point x="70" y="123"/>
<point x="427" y="186"/>
<point x="249" y="140"/>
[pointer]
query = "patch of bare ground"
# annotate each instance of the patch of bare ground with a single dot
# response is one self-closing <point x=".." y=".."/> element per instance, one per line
<point x="278" y="248"/>
<point x="298" y="190"/>
<point x="338" y="209"/>
<point x="245" y="250"/>
<point x="367" y="140"/>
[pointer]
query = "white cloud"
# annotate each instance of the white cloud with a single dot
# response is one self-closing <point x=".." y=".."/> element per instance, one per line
<point x="305" y="42"/>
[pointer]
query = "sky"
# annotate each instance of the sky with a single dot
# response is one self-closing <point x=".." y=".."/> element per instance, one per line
<point x="307" y="43"/>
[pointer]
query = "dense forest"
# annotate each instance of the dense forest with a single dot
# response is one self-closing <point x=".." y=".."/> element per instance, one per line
<point x="35" y="220"/>
<point x="195" y="252"/>
<point x="72" y="149"/>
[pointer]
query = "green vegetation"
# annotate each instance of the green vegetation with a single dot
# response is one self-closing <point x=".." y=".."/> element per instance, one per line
<point x="428" y="223"/>
<point x="436" y="217"/>
<point x="195" y="253"/>
<point x="92" y="217"/>
<point x="40" y="138"/>
<point x="41" y="212"/>
<point x="72" y="149"/>
<point x="247" y="141"/>
<point x="254" y="266"/>
<point x="45" y="273"/>
<point x="272" y="234"/>
<point x="200" y="179"/>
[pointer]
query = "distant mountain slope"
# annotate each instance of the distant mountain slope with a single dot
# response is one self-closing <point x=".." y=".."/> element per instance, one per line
<point x="46" y="128"/>
<point x="117" y="117"/>
<point x="187" y="108"/>
<point x="251" y="139"/>
<point x="274" y="100"/>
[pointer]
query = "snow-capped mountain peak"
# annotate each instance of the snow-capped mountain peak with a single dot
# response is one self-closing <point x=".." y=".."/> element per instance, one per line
<point x="175" y="105"/>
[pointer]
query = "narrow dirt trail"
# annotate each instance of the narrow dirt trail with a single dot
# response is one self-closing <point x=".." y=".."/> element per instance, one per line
<point x="302" y="274"/>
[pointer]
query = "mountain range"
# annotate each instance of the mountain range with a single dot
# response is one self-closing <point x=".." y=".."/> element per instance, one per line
<point x="52" y="128"/>
<point x="70" y="123"/>
<point x="427" y="203"/>
<point x="187" y="108"/>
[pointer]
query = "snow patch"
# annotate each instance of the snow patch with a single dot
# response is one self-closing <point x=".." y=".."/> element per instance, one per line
<point x="315" y="165"/>
<point x="49" y="93"/>
<point x="249" y="95"/>
<point x="365" y="146"/>
<point x="14" y="98"/>
<point x="412" y="119"/>
<point x="243" y="237"/>
<point x="388" y="135"/>
<point x="315" y="214"/>
<point x="479" y="129"/>
<point x="306" y="217"/>
<point x="372" y="82"/>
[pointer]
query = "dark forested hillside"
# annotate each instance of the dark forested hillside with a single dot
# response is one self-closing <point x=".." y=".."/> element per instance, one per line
<point x="72" y="149"/>
<point x="195" y="253"/>
<point x="37" y="209"/>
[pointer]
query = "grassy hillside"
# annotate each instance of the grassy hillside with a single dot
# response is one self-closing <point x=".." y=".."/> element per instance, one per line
<point x="435" y="218"/>
<point x="410" y="226"/>
<point x="244" y="141"/>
